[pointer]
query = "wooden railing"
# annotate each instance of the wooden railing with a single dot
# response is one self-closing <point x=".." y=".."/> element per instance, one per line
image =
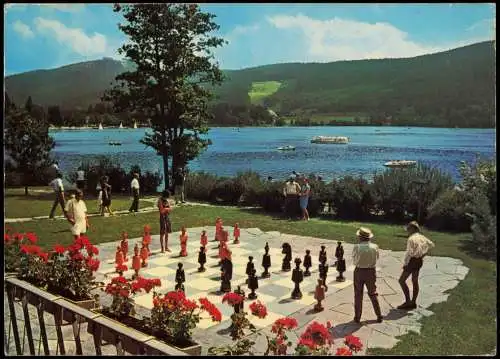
<point x="49" y="303"/>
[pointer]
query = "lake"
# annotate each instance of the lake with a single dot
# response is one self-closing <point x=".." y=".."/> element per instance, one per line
<point x="254" y="148"/>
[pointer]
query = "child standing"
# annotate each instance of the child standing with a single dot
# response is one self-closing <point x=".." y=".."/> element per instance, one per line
<point x="165" y="224"/>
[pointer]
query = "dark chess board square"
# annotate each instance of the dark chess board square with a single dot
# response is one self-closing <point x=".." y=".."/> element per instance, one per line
<point x="186" y="265"/>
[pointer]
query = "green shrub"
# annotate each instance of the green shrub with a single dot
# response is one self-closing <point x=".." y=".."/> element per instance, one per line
<point x="351" y="197"/>
<point x="271" y="197"/>
<point x="484" y="233"/>
<point x="482" y="176"/>
<point x="448" y="212"/>
<point x="228" y="191"/>
<point x="199" y="185"/>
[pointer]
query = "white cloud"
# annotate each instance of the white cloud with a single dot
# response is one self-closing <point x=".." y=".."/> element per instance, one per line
<point x="23" y="29"/>
<point x="74" y="38"/>
<point x="485" y="25"/>
<point x="240" y="30"/>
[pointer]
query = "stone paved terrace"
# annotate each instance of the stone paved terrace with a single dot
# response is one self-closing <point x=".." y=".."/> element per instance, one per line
<point x="437" y="277"/>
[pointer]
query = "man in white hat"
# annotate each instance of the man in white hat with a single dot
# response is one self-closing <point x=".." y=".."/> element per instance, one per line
<point x="417" y="247"/>
<point x="364" y="257"/>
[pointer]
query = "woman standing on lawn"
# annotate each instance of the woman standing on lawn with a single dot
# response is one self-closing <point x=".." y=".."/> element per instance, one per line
<point x="305" y="192"/>
<point x="106" y="196"/>
<point x="165" y="224"/>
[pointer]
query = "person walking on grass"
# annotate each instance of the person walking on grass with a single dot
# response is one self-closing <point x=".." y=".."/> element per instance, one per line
<point x="305" y="192"/>
<point x="416" y="249"/>
<point x="106" y="196"/>
<point x="57" y="186"/>
<point x="364" y="256"/>
<point x="76" y="214"/>
<point x="291" y="191"/>
<point x="80" y="178"/>
<point x="180" y="178"/>
<point x="134" y="186"/>
<point x="165" y="224"/>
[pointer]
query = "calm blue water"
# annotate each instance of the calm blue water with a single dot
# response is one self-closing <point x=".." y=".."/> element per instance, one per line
<point x="254" y="149"/>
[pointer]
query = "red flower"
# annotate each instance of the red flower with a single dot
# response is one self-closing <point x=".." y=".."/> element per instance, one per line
<point x="308" y="342"/>
<point x="93" y="264"/>
<point x="83" y="240"/>
<point x="18" y="236"/>
<point x="31" y="237"/>
<point x="318" y="333"/>
<point x="92" y="249"/>
<point x="353" y="342"/>
<point x="233" y="298"/>
<point x="30" y="249"/>
<point x="59" y="249"/>
<point x="77" y="256"/>
<point x="119" y="279"/>
<point x="211" y="309"/>
<point x="189" y="305"/>
<point x="6" y="238"/>
<point x="44" y="256"/>
<point x="124" y="293"/>
<point x="343" y="352"/>
<point x="156" y="301"/>
<point x="287" y="323"/>
<point x="258" y="309"/>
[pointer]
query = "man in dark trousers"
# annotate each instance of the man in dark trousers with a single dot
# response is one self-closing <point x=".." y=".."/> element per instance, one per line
<point x="179" y="180"/>
<point x="364" y="257"/>
<point x="57" y="186"/>
<point x="134" y="186"/>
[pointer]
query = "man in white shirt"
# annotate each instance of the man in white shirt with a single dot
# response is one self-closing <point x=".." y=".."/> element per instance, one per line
<point x="364" y="257"/>
<point x="134" y="186"/>
<point x="291" y="192"/>
<point x="57" y="186"/>
<point x="80" y="178"/>
<point x="417" y="247"/>
<point x="76" y="213"/>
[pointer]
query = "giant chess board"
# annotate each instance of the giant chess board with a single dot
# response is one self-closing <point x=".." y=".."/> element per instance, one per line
<point x="274" y="292"/>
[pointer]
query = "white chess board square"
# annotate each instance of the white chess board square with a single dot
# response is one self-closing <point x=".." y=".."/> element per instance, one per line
<point x="161" y="260"/>
<point x="158" y="271"/>
<point x="204" y="283"/>
<point x="341" y="285"/>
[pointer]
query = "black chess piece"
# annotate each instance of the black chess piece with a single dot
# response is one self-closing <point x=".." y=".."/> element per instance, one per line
<point x="297" y="278"/>
<point x="340" y="263"/>
<point x="323" y="273"/>
<point x="287" y="251"/>
<point x="266" y="262"/>
<point x="242" y="293"/>
<point x="253" y="284"/>
<point x="322" y="255"/>
<point x="307" y="263"/>
<point x="250" y="267"/>
<point x="180" y="278"/>
<point x="202" y="259"/>
<point x="227" y="275"/>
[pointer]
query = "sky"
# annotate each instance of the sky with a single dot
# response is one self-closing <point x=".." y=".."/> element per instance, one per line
<point x="50" y="36"/>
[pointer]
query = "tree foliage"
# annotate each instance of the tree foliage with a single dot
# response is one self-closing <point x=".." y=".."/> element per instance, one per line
<point x="171" y="48"/>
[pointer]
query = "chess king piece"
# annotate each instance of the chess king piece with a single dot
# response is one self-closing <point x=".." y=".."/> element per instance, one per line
<point x="322" y="255"/>
<point x="319" y="295"/>
<point x="236" y="234"/>
<point x="124" y="245"/>
<point x="340" y="263"/>
<point x="183" y="238"/>
<point x="287" y="251"/>
<point x="180" y="278"/>
<point x="250" y="267"/>
<point x="144" y="255"/>
<point x="227" y="275"/>
<point x="307" y="263"/>
<point x="204" y="239"/>
<point x="136" y="260"/>
<point x="242" y="293"/>
<point x="146" y="237"/>
<point x="119" y="256"/>
<point x="202" y="259"/>
<point x="323" y="273"/>
<point x="297" y="278"/>
<point x="266" y="262"/>
<point x="253" y="284"/>
<point x="218" y="227"/>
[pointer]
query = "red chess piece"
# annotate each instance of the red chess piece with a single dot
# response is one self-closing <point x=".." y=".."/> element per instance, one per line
<point x="119" y="256"/>
<point x="204" y="239"/>
<point x="136" y="260"/>
<point x="144" y="255"/>
<point x="224" y="236"/>
<point x="146" y="237"/>
<point x="218" y="228"/>
<point x="236" y="234"/>
<point x="184" y="238"/>
<point x="319" y="295"/>
<point x="124" y="245"/>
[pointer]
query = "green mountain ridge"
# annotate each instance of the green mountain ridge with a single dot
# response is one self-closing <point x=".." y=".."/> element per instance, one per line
<point x="454" y="88"/>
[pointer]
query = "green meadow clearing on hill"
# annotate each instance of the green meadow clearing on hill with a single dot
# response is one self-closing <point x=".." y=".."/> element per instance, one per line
<point x="261" y="90"/>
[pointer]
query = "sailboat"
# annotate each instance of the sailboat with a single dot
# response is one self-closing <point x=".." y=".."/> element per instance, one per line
<point x="135" y="124"/>
<point x="121" y="126"/>
<point x="100" y="126"/>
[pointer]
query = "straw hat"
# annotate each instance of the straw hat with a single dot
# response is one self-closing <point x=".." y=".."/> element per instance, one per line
<point x="364" y="233"/>
<point x="413" y="224"/>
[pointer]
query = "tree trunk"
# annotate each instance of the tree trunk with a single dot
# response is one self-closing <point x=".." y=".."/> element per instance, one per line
<point x="25" y="190"/>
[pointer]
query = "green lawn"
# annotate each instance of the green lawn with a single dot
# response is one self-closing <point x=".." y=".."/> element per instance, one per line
<point x="463" y="325"/>
<point x="260" y="90"/>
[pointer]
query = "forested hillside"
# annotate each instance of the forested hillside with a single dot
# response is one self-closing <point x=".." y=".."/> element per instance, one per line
<point x="452" y="88"/>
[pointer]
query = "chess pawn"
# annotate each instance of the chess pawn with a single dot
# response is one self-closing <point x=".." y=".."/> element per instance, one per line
<point x="253" y="284"/>
<point x="307" y="263"/>
<point x="204" y="239"/>
<point x="124" y="245"/>
<point x="236" y="234"/>
<point x="146" y="238"/>
<point x="183" y="238"/>
<point x="119" y="256"/>
<point x="266" y="262"/>
<point x="322" y="255"/>
<point x="340" y="263"/>
<point x="297" y="278"/>
<point x="180" y="278"/>
<point x="250" y="267"/>
<point x="144" y="255"/>
<point x="323" y="273"/>
<point x="287" y="251"/>
<point x="319" y="295"/>
<point x="202" y="259"/>
<point x="136" y="260"/>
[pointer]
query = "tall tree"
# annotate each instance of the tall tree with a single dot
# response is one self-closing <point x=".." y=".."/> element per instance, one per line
<point x="170" y="46"/>
<point x="27" y="145"/>
<point x="29" y="104"/>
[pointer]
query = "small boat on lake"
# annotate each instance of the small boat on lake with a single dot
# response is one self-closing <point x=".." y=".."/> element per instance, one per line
<point x="286" y="148"/>
<point x="330" y="139"/>
<point x="100" y="126"/>
<point x="400" y="163"/>
<point x="114" y="143"/>
<point x="135" y="124"/>
<point x="121" y="126"/>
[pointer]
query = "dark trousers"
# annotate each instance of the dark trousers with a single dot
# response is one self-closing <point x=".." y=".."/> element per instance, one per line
<point x="58" y="200"/>
<point x="291" y="205"/>
<point x="135" y="204"/>
<point x="362" y="277"/>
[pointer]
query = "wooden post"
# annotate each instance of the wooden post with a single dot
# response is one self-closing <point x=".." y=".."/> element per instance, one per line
<point x="76" y="333"/>
<point x="58" y="320"/>
<point x="27" y="324"/>
<point x="13" y="320"/>
<point x="41" y="321"/>
<point x="97" y="338"/>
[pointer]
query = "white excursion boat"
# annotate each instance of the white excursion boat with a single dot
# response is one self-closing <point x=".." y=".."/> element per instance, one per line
<point x="121" y="126"/>
<point x="330" y="139"/>
<point x="135" y="124"/>
<point x="100" y="126"/>
<point x="400" y="163"/>
<point x="286" y="148"/>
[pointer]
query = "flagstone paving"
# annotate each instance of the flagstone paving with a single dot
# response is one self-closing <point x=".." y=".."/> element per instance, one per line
<point x="438" y="276"/>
